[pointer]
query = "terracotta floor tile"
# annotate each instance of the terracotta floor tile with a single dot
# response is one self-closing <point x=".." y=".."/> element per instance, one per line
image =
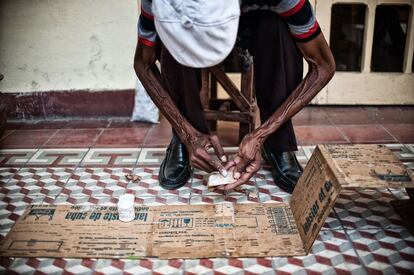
<point x="159" y="135"/>
<point x="74" y="138"/>
<point x="349" y="115"/>
<point x="372" y="133"/>
<point x="122" y="137"/>
<point x="6" y="133"/>
<point x="13" y="125"/>
<point x="311" y="116"/>
<point x="389" y="115"/>
<point x="26" y="138"/>
<point x="86" y="124"/>
<point x="403" y="132"/>
<point x="311" y="135"/>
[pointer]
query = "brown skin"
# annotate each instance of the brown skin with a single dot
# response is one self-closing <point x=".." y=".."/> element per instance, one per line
<point x="321" y="69"/>
<point x="247" y="162"/>
<point x="196" y="142"/>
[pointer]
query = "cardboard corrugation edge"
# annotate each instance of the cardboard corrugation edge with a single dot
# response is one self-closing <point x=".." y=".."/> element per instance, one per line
<point x="309" y="211"/>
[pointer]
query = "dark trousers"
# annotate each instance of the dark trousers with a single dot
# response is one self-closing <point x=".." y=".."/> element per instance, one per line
<point x="278" y="69"/>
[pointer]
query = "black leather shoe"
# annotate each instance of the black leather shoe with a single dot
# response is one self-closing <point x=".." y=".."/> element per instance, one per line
<point x="175" y="168"/>
<point x="286" y="169"/>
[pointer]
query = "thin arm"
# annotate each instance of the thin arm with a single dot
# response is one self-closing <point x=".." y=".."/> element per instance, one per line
<point x="321" y="70"/>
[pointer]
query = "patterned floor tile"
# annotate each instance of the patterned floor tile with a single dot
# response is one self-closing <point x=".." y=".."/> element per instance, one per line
<point x="147" y="266"/>
<point x="149" y="185"/>
<point x="97" y="182"/>
<point x="331" y="253"/>
<point x="151" y="156"/>
<point x="6" y="174"/>
<point x="37" y="181"/>
<point x="47" y="266"/>
<point x="385" y="251"/>
<point x="15" y="157"/>
<point x="364" y="209"/>
<point x="229" y="266"/>
<point x="113" y="157"/>
<point x="57" y="157"/>
<point x="154" y="156"/>
<point x="268" y="190"/>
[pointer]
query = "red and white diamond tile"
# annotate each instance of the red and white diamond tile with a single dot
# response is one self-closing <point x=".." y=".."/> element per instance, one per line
<point x="97" y="157"/>
<point x="97" y="182"/>
<point x="37" y="181"/>
<point x="385" y="251"/>
<point x="6" y="174"/>
<point x="149" y="184"/>
<point x="229" y="266"/>
<point x="15" y="157"/>
<point x="47" y="266"/>
<point x="147" y="266"/>
<point x="331" y="253"/>
<point x="363" y="209"/>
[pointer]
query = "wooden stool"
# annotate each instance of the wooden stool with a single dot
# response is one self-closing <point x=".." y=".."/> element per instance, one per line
<point x="240" y="107"/>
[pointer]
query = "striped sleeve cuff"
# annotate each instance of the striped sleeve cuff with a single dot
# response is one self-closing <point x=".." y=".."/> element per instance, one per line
<point x="146" y="29"/>
<point x="301" y="20"/>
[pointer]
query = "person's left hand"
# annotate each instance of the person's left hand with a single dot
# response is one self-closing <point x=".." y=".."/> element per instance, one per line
<point x="246" y="162"/>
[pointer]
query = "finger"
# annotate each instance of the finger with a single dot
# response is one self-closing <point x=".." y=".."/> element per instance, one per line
<point x="240" y="165"/>
<point x="215" y="142"/>
<point x="242" y="180"/>
<point x="229" y="165"/>
<point x="214" y="165"/>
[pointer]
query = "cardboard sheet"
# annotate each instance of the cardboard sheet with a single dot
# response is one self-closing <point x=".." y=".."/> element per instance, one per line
<point x="204" y="231"/>
<point x="198" y="231"/>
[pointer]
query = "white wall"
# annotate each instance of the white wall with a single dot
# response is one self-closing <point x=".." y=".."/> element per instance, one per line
<point x="53" y="45"/>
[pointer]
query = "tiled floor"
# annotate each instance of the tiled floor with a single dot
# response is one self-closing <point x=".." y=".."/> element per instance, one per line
<point x="85" y="162"/>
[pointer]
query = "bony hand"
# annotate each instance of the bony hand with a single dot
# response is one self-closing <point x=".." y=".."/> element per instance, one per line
<point x="197" y="145"/>
<point x="247" y="161"/>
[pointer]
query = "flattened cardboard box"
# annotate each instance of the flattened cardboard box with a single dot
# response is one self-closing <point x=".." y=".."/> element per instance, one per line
<point x="202" y="231"/>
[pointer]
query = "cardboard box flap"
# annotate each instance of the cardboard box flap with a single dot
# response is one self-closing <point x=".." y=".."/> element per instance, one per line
<point x="313" y="198"/>
<point x="367" y="166"/>
<point x="333" y="167"/>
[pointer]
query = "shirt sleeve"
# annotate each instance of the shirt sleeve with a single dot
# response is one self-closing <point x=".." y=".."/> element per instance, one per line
<point x="300" y="19"/>
<point x="147" y="34"/>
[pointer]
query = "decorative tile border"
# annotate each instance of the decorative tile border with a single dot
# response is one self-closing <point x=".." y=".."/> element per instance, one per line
<point x="15" y="157"/>
<point x="57" y="157"/>
<point x="97" y="157"/>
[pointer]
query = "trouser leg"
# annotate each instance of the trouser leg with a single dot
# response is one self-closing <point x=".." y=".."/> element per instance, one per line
<point x="183" y="85"/>
<point x="278" y="70"/>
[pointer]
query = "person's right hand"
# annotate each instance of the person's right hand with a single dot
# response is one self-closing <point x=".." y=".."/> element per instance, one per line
<point x="197" y="145"/>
